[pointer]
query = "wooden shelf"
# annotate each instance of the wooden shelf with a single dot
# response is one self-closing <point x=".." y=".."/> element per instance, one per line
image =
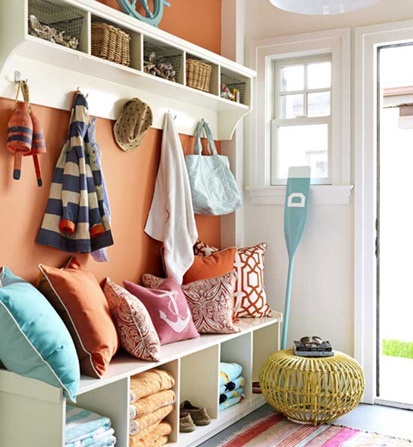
<point x="54" y="71"/>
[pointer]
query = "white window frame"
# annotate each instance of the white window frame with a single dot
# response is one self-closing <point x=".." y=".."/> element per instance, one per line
<point x="277" y="121"/>
<point x="264" y="52"/>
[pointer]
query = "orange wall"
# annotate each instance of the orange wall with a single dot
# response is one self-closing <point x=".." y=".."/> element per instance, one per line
<point x="197" y="21"/>
<point x="130" y="176"/>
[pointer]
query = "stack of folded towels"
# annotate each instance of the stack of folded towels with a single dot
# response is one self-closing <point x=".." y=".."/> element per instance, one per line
<point x="85" y="428"/>
<point x="231" y="385"/>
<point x="151" y="400"/>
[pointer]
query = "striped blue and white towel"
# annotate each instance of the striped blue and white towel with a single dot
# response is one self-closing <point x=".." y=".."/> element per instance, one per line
<point x="82" y="424"/>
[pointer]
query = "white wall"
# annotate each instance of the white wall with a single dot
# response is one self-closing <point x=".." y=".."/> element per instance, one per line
<point x="323" y="280"/>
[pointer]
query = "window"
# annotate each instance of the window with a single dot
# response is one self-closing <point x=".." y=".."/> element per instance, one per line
<point x="302" y="115"/>
<point x="300" y="128"/>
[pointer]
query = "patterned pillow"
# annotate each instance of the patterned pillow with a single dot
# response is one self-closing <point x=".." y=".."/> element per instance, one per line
<point x="168" y="310"/>
<point x="211" y="302"/>
<point x="135" y="328"/>
<point x="250" y="296"/>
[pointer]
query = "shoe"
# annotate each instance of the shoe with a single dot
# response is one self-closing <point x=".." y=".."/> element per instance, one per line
<point x="256" y="387"/>
<point x="198" y="415"/>
<point x="186" y="424"/>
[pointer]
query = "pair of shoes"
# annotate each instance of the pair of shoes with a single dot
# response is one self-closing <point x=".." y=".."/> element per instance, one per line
<point x="198" y="415"/>
<point x="186" y="424"/>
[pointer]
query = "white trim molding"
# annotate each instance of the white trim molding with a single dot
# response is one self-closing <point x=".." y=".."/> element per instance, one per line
<point x="263" y="53"/>
<point x="319" y="194"/>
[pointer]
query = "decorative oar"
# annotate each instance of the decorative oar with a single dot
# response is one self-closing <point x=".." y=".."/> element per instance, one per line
<point x="295" y="215"/>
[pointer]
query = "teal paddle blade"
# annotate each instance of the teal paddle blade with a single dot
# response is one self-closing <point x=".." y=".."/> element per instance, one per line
<point x="295" y="216"/>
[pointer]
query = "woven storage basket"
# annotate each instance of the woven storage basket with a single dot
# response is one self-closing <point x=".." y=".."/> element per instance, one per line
<point x="110" y="43"/>
<point x="309" y="389"/>
<point x="198" y="74"/>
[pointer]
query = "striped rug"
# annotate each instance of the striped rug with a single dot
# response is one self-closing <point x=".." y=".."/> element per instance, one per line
<point x="275" y="431"/>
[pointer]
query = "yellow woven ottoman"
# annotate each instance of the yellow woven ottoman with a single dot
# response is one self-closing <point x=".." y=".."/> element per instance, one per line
<point x="312" y="390"/>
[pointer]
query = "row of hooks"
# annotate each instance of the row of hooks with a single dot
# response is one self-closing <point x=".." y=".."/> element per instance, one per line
<point x="18" y="79"/>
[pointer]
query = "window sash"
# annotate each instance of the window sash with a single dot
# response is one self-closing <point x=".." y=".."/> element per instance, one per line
<point x="275" y="154"/>
<point x="298" y="120"/>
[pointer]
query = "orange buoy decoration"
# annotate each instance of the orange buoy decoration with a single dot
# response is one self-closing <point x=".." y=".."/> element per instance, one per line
<point x="38" y="141"/>
<point x="19" y="134"/>
<point x="25" y="134"/>
<point x="38" y="147"/>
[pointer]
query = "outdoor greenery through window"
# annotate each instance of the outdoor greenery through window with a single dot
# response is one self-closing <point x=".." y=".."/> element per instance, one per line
<point x="301" y="124"/>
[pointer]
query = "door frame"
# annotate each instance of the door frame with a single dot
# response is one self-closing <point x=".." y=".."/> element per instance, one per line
<point x="367" y="40"/>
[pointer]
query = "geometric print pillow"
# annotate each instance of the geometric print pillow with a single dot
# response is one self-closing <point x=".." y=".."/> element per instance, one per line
<point x="250" y="296"/>
<point x="210" y="300"/>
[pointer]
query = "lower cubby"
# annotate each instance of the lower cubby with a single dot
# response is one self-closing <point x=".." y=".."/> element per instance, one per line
<point x="33" y="412"/>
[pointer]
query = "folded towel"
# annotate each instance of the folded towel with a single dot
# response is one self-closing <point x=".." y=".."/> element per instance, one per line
<point x="99" y="435"/>
<point x="229" y="394"/>
<point x="150" y="382"/>
<point x="239" y="382"/>
<point x="228" y="372"/>
<point x="151" y="403"/>
<point x="159" y="442"/>
<point x="150" y="435"/>
<point x="138" y="424"/>
<point x="230" y="402"/>
<point x="82" y="423"/>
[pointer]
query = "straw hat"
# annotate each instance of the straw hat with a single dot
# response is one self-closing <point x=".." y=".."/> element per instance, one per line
<point x="132" y="124"/>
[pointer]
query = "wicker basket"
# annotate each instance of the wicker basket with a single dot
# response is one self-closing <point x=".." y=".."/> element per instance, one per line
<point x="311" y="390"/>
<point x="110" y="43"/>
<point x="198" y="74"/>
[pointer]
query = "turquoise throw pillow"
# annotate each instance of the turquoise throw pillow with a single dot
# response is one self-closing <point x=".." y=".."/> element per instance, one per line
<point x="34" y="341"/>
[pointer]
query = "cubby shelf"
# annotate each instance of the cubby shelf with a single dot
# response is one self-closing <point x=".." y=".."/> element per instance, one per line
<point x="33" y="412"/>
<point x="55" y="71"/>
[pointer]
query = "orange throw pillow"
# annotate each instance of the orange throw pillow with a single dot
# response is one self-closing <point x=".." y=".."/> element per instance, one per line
<point x="79" y="300"/>
<point x="217" y="264"/>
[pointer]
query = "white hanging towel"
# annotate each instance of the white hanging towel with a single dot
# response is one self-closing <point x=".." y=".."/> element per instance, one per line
<point x="171" y="218"/>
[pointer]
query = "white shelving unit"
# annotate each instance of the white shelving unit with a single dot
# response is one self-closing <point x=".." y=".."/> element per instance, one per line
<point x="54" y="71"/>
<point x="33" y="413"/>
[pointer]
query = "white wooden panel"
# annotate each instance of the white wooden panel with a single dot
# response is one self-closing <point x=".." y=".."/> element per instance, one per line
<point x="111" y="401"/>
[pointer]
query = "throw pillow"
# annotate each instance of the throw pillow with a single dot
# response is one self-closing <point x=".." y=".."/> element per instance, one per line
<point x="168" y="309"/>
<point x="78" y="298"/>
<point x="34" y="341"/>
<point x="135" y="328"/>
<point x="250" y="296"/>
<point x="210" y="300"/>
<point x="217" y="264"/>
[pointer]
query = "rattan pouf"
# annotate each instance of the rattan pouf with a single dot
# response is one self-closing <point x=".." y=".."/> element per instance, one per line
<point x="312" y="390"/>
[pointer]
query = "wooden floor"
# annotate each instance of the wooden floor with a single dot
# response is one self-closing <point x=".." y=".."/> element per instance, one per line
<point x="373" y="418"/>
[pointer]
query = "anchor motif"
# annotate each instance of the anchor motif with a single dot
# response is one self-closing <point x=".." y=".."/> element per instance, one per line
<point x="182" y="321"/>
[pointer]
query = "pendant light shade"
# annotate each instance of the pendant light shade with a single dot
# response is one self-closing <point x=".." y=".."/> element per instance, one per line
<point x="322" y="7"/>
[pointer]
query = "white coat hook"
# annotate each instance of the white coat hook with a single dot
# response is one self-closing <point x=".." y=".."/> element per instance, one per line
<point x="18" y="76"/>
<point x="78" y="90"/>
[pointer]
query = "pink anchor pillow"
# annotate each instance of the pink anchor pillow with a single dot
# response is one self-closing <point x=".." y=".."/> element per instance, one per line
<point x="168" y="309"/>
